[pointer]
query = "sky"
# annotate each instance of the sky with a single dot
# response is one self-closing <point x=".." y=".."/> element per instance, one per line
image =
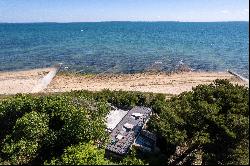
<point x="123" y="10"/>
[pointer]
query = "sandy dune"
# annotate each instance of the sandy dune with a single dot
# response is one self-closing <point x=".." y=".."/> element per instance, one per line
<point x="146" y="82"/>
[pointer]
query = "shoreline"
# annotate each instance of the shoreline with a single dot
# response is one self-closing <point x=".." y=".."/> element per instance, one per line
<point x="171" y="83"/>
<point x="157" y="82"/>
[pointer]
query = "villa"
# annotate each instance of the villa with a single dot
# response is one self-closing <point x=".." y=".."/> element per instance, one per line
<point x="130" y="131"/>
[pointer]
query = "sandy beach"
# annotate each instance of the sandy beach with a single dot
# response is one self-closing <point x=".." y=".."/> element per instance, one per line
<point x="175" y="83"/>
<point x="146" y="82"/>
<point x="21" y="81"/>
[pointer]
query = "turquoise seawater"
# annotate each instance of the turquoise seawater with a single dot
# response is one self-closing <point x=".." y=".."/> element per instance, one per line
<point x="126" y="47"/>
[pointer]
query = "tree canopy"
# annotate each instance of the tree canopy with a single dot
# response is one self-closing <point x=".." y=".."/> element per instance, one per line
<point x="213" y="118"/>
<point x="81" y="154"/>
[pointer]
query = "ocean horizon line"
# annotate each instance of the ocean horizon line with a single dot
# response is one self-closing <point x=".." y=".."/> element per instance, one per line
<point x="55" y="22"/>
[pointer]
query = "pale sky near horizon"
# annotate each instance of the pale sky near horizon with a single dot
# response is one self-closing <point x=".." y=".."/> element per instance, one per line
<point x="123" y="10"/>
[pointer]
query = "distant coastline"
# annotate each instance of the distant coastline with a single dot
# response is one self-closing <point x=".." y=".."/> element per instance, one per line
<point x="54" y="22"/>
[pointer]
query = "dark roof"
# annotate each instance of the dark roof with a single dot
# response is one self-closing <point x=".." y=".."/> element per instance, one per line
<point x="122" y="146"/>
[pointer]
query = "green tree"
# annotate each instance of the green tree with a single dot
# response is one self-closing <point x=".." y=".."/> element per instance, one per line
<point x="82" y="154"/>
<point x="132" y="159"/>
<point x="22" y="144"/>
<point x="212" y="117"/>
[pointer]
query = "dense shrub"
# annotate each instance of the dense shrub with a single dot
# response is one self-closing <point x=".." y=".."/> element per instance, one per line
<point x="212" y="117"/>
<point x="37" y="128"/>
<point x="22" y="144"/>
<point x="82" y="154"/>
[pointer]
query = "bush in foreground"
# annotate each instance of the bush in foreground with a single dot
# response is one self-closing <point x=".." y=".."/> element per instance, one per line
<point x="212" y="120"/>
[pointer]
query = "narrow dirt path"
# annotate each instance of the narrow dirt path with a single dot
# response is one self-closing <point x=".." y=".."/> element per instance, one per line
<point x="44" y="82"/>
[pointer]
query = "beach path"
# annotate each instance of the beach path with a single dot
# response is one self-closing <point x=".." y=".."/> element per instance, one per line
<point x="44" y="82"/>
<point x="26" y="81"/>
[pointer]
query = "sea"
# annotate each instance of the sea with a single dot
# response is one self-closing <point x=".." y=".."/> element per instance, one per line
<point x="126" y="47"/>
